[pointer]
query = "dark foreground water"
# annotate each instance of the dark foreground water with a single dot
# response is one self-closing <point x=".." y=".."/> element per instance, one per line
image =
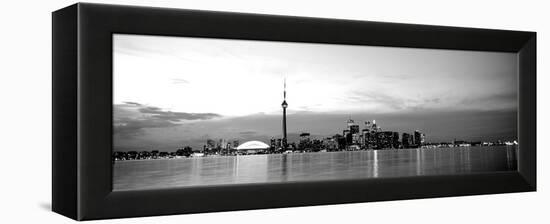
<point x="168" y="173"/>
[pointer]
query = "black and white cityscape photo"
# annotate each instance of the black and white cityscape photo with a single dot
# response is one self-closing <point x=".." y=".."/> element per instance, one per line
<point x="204" y="112"/>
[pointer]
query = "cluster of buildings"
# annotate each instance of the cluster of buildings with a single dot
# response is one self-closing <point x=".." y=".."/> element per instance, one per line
<point x="222" y="146"/>
<point x="352" y="138"/>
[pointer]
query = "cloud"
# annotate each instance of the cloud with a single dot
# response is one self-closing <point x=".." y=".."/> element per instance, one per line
<point x="493" y="101"/>
<point x="380" y="98"/>
<point x="158" y="113"/>
<point x="131" y="127"/>
<point x="414" y="102"/>
<point x="248" y="132"/>
<point x="131" y="118"/>
<point x="433" y="100"/>
<point x="180" y="81"/>
<point x="133" y="103"/>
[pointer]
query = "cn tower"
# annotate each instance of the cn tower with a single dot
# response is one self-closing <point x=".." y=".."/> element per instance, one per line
<point x="284" y="105"/>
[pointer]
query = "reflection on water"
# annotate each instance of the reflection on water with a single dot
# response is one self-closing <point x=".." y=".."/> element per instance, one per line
<point x="375" y="164"/>
<point x="153" y="174"/>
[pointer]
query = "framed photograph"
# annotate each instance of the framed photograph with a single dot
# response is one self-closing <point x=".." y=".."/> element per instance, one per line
<point x="168" y="111"/>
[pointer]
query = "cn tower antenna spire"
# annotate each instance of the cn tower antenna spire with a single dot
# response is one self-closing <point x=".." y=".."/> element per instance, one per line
<point x="284" y="89"/>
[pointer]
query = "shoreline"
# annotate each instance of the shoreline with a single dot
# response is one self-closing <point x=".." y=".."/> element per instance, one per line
<point x="516" y="147"/>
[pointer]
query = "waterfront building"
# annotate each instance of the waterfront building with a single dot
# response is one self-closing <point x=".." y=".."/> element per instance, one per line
<point x="272" y="143"/>
<point x="353" y="127"/>
<point x="356" y="139"/>
<point x="353" y="135"/>
<point x="330" y="144"/>
<point x="374" y="141"/>
<point x="304" y="137"/>
<point x="345" y="132"/>
<point x="364" y="137"/>
<point x="252" y="147"/>
<point x="279" y="143"/>
<point x="418" y="138"/>
<point x="305" y="142"/>
<point x="395" y="140"/>
<point x="384" y="140"/>
<point x="347" y="136"/>
<point x="340" y="141"/>
<point x="406" y="140"/>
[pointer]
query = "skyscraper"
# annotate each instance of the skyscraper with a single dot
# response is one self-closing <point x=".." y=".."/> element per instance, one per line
<point x="406" y="140"/>
<point x="395" y="140"/>
<point x="353" y="128"/>
<point x="284" y="105"/>
<point x="418" y="138"/>
<point x="354" y="131"/>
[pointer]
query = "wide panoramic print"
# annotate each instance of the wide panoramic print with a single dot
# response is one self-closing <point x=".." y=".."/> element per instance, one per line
<point x="203" y="111"/>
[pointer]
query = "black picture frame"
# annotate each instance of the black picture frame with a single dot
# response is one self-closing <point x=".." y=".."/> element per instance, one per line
<point x="82" y="110"/>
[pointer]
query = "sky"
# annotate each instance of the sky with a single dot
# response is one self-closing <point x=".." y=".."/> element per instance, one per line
<point x="170" y="92"/>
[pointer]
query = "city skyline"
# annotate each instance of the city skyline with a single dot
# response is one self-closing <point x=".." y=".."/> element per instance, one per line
<point x="148" y="111"/>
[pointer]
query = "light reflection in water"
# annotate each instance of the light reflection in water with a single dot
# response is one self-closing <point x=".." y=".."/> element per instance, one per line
<point x="418" y="163"/>
<point x="152" y="174"/>
<point x="375" y="164"/>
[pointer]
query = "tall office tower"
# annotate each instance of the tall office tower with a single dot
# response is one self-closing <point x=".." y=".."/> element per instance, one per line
<point x="353" y="127"/>
<point x="406" y="140"/>
<point x="395" y="140"/>
<point x="354" y="131"/>
<point x="365" y="133"/>
<point x="418" y="138"/>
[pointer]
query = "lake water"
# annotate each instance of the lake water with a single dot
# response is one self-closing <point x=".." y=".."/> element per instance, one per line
<point x="221" y="170"/>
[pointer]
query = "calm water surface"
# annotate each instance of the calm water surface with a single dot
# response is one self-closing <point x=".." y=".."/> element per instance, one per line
<point x="168" y="173"/>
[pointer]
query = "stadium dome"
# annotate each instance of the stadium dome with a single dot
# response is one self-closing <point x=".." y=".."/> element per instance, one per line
<point x="253" y="145"/>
